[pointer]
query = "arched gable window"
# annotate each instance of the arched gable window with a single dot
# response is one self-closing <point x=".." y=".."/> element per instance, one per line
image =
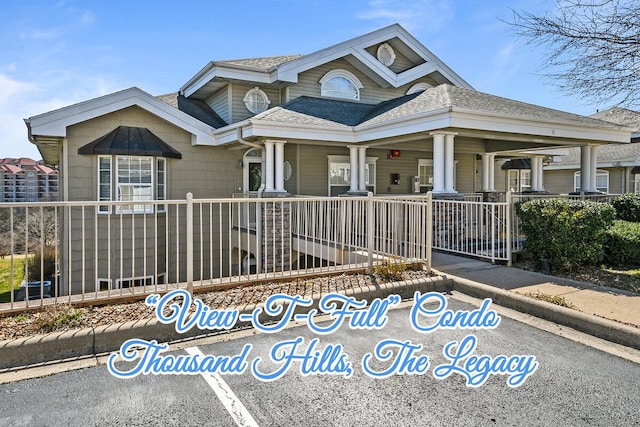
<point x="340" y="84"/>
<point x="418" y="87"/>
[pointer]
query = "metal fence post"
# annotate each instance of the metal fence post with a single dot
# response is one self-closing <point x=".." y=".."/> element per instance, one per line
<point x="189" y="216"/>
<point x="370" y="219"/>
<point x="429" y="228"/>
<point x="509" y="238"/>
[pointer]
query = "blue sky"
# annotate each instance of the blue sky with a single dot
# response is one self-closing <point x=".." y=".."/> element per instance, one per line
<point x="57" y="53"/>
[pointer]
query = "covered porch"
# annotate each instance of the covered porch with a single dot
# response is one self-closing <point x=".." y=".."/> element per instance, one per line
<point x="446" y="139"/>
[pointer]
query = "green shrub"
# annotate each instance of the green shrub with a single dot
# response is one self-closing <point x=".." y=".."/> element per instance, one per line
<point x="623" y="243"/>
<point x="42" y="264"/>
<point x="565" y="231"/>
<point x="627" y="207"/>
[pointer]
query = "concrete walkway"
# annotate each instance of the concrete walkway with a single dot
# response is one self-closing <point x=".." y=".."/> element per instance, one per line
<point x="609" y="303"/>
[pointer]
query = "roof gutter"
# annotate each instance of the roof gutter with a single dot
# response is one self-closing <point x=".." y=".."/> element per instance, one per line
<point x="29" y="134"/>
<point x="247" y="143"/>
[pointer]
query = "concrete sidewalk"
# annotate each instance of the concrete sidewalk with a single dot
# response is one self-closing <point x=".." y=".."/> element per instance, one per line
<point x="609" y="303"/>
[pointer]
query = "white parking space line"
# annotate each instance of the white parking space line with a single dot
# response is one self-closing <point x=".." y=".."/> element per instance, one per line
<point x="232" y="404"/>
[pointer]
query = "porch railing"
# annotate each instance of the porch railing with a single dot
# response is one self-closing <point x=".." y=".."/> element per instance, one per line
<point x="85" y="251"/>
<point x="481" y="229"/>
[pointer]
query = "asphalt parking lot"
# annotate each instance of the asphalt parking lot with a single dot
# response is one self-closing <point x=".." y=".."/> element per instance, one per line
<point x="574" y="384"/>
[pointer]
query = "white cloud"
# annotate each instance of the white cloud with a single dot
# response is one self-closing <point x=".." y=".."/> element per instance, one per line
<point x="427" y="14"/>
<point x="504" y="61"/>
<point x="41" y="35"/>
<point x="9" y="88"/>
<point x="87" y="18"/>
<point x="23" y="99"/>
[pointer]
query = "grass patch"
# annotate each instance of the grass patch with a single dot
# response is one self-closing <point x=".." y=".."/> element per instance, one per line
<point x="62" y="316"/>
<point x="5" y="276"/>
<point x="633" y="272"/>
<point x="553" y="299"/>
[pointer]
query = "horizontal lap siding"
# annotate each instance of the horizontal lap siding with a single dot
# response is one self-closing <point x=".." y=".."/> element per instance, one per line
<point x="240" y="111"/>
<point x="558" y="181"/>
<point x="314" y="173"/>
<point x="206" y="172"/>
<point x="315" y="169"/>
<point x="372" y="93"/>
<point x="219" y="103"/>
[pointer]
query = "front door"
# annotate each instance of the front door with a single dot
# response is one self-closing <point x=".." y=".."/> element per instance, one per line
<point x="252" y="169"/>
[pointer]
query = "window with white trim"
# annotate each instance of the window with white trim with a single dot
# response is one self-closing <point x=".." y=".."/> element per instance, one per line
<point x="107" y="284"/>
<point x="340" y="174"/>
<point x="519" y="180"/>
<point x="135" y="179"/>
<point x="637" y="184"/>
<point x="340" y="84"/>
<point x="425" y="173"/>
<point x="602" y="181"/>
<point x="256" y="100"/>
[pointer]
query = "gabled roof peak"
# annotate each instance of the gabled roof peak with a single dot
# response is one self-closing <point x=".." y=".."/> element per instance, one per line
<point x="286" y="69"/>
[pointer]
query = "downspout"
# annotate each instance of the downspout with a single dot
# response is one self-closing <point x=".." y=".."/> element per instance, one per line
<point x="247" y="143"/>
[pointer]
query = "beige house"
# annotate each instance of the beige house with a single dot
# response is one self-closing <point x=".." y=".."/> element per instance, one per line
<point x="377" y="113"/>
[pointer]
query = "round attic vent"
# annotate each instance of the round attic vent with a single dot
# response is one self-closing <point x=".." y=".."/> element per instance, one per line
<point x="386" y="55"/>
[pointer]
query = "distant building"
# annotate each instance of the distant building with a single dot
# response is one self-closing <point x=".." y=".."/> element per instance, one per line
<point x="26" y="180"/>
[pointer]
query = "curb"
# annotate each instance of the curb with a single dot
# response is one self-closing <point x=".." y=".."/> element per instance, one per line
<point x="24" y="352"/>
<point x="606" y="329"/>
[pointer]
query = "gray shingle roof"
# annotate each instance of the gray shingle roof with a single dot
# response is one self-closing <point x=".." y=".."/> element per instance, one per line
<point x="611" y="153"/>
<point x="331" y="112"/>
<point x="621" y="116"/>
<point x="283" y="115"/>
<point x="259" y="63"/>
<point x="606" y="154"/>
<point x="195" y="108"/>
<point x="447" y="96"/>
<point x="344" y="112"/>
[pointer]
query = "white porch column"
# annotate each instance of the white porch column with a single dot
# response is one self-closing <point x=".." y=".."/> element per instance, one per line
<point x="449" y="164"/>
<point x="492" y="173"/>
<point x="269" y="167"/>
<point x="488" y="172"/>
<point x="593" y="168"/>
<point x="279" y="161"/>
<point x="362" y="169"/>
<point x="353" y="174"/>
<point x="438" y="162"/>
<point x="541" y="173"/>
<point x="585" y="168"/>
<point x="536" y="173"/>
